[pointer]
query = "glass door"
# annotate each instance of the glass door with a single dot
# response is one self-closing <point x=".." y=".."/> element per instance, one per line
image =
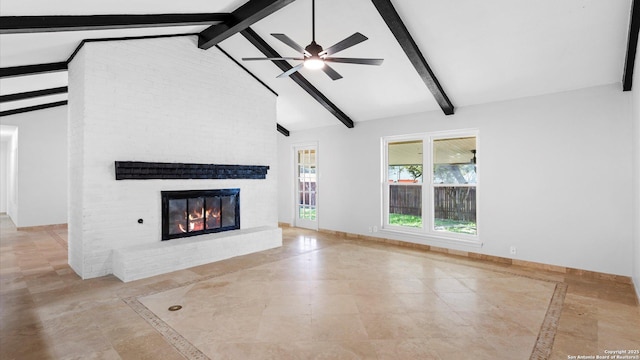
<point x="306" y="187"/>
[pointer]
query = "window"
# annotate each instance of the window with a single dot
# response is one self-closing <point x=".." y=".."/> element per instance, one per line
<point x="430" y="184"/>
<point x="454" y="185"/>
<point x="306" y="184"/>
<point x="405" y="183"/>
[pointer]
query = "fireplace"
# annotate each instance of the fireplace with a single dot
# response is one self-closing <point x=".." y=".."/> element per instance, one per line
<point x="197" y="212"/>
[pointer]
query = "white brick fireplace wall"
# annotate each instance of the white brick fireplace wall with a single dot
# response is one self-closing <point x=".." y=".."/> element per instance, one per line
<point x="162" y="100"/>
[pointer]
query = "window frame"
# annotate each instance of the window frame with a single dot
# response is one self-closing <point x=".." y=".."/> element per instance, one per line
<point x="387" y="185"/>
<point x="427" y="231"/>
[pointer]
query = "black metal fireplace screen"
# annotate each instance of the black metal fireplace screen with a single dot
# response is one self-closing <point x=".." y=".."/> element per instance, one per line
<point x="197" y="212"/>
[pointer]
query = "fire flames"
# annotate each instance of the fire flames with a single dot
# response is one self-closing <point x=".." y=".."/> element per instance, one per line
<point x="197" y="220"/>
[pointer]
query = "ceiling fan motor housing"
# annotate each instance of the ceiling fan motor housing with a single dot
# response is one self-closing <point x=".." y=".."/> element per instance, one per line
<point x="314" y="49"/>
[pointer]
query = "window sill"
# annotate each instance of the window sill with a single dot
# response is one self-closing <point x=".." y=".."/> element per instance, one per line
<point x="430" y="239"/>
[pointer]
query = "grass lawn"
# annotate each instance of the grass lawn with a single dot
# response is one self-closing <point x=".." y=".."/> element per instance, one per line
<point x="307" y="213"/>
<point x="405" y="220"/>
<point x="456" y="226"/>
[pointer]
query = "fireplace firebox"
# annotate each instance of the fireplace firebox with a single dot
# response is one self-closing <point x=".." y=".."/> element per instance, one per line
<point x="197" y="212"/>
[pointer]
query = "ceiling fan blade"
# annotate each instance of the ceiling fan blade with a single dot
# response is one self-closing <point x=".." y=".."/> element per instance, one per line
<point x="272" y="58"/>
<point x="331" y="73"/>
<point x="354" y="39"/>
<point x="354" y="61"/>
<point x="287" y="40"/>
<point x="291" y="71"/>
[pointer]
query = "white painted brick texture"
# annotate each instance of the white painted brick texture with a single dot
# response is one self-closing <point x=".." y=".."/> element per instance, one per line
<point x="76" y="161"/>
<point x="159" y="100"/>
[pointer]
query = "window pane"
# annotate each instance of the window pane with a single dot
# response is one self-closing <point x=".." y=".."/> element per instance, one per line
<point x="405" y="205"/>
<point x="454" y="161"/>
<point x="455" y="209"/>
<point x="212" y="212"/>
<point x="228" y="210"/>
<point x="307" y="212"/>
<point x="405" y="162"/>
<point x="177" y="216"/>
<point x="196" y="214"/>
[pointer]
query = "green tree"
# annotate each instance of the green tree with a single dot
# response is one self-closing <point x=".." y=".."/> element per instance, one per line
<point x="414" y="170"/>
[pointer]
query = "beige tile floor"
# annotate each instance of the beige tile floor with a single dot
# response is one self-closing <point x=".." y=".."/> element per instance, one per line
<point x="319" y="296"/>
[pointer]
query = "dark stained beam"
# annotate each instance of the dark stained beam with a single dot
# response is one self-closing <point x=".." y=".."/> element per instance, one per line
<point x="248" y="72"/>
<point x="33" y="94"/>
<point x="32" y="69"/>
<point x="33" y="24"/>
<point x="32" y="108"/>
<point x="243" y="17"/>
<point x="632" y="45"/>
<point x="268" y="51"/>
<point x="126" y="38"/>
<point x="399" y="30"/>
<point x="282" y="130"/>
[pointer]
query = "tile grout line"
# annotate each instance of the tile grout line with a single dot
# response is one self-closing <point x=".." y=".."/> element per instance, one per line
<point x="58" y="239"/>
<point x="212" y="276"/>
<point x="547" y="334"/>
<point x="174" y="338"/>
<point x="470" y="263"/>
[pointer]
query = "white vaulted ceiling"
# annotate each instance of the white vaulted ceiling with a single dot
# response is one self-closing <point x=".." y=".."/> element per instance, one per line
<point x="480" y="51"/>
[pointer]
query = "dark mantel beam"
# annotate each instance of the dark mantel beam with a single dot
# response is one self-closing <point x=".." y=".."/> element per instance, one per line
<point x="32" y="69"/>
<point x="268" y="51"/>
<point x="33" y="94"/>
<point x="34" y="24"/>
<point x="632" y="45"/>
<point x="241" y="18"/>
<point x="400" y="31"/>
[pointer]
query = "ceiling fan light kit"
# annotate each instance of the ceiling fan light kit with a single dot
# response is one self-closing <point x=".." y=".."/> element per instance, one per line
<point x="314" y="63"/>
<point x="313" y="55"/>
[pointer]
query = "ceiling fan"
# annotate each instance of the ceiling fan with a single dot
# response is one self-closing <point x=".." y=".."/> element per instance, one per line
<point x="314" y="57"/>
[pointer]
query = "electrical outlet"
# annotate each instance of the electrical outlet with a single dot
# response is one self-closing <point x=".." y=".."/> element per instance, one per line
<point x="513" y="250"/>
<point x="370" y="229"/>
<point x="375" y="229"/>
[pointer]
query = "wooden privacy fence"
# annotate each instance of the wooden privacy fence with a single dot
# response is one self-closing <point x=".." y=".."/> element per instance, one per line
<point x="454" y="203"/>
<point x="405" y="200"/>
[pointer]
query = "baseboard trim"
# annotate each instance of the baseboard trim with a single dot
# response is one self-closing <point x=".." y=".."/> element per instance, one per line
<point x="43" y="227"/>
<point x="491" y="258"/>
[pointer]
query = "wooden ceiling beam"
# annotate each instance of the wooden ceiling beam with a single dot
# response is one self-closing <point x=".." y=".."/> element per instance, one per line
<point x="400" y="31"/>
<point x="282" y="130"/>
<point x="632" y="45"/>
<point x="32" y="108"/>
<point x="32" y="69"/>
<point x="283" y="65"/>
<point x="241" y="18"/>
<point x="33" y="94"/>
<point x="35" y="24"/>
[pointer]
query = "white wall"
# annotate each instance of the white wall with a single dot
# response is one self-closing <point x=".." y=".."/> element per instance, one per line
<point x="159" y="100"/>
<point x="12" y="175"/>
<point x="636" y="175"/>
<point x="555" y="176"/>
<point x="4" y="161"/>
<point x="41" y="191"/>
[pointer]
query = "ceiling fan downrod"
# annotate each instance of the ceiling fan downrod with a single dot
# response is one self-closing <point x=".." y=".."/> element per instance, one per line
<point x="313" y="20"/>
